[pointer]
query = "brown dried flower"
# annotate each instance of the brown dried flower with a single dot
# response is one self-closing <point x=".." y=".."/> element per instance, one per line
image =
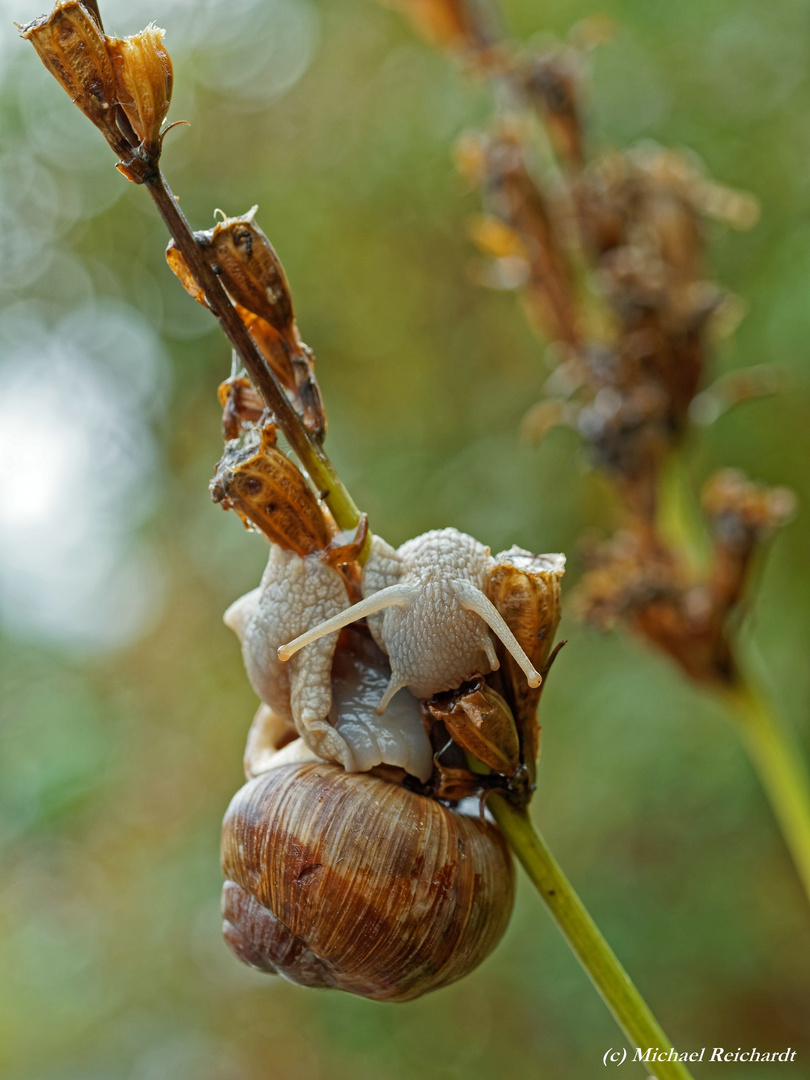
<point x="446" y="23"/>
<point x="72" y="47"/>
<point x="638" y="581"/>
<point x="525" y="588"/>
<point x="478" y="719"/>
<point x="552" y="81"/>
<point x="743" y="516"/>
<point x="250" y="269"/>
<point x="743" y="512"/>
<point x="143" y="79"/>
<point x="266" y="488"/>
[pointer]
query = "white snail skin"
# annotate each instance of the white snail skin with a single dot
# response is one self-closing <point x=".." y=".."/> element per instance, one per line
<point x="348" y="881"/>
<point x="427" y="609"/>
<point x="328" y="693"/>
<point x="294" y="594"/>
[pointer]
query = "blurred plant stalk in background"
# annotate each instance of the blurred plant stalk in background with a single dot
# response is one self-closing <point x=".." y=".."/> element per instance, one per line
<point x="606" y="252"/>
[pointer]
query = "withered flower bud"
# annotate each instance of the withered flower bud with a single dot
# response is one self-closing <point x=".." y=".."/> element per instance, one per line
<point x="743" y="512"/>
<point x="743" y="516"/>
<point x="267" y="489"/>
<point x="526" y="591"/>
<point x="525" y="588"/>
<point x="250" y="269"/>
<point x="143" y="79"/>
<point x="182" y="271"/>
<point x="72" y="47"/>
<point x="479" y="720"/>
<point x="552" y="83"/>
<point x="445" y="23"/>
<point x="290" y="360"/>
<point x="239" y="402"/>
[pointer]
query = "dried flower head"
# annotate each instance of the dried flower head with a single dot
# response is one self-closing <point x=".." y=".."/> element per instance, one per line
<point x="446" y="23"/>
<point x="742" y="512"/>
<point x="72" y="47"/>
<point x="264" y="487"/>
<point x="646" y="585"/>
<point x="240" y="403"/>
<point x="250" y="269"/>
<point x="650" y="590"/>
<point x="143" y="79"/>
<point x="526" y="591"/>
<point x="743" y="516"/>
<point x="478" y="719"/>
<point x="552" y="82"/>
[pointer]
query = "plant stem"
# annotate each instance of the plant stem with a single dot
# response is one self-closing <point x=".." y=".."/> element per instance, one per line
<point x="593" y="952"/>
<point x="780" y="768"/>
<point x="309" y="452"/>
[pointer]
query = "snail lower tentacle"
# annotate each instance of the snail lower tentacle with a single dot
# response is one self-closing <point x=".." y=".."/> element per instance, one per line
<point x="349" y="881"/>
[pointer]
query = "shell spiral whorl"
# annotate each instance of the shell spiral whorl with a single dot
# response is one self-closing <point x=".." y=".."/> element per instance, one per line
<point x="349" y="881"/>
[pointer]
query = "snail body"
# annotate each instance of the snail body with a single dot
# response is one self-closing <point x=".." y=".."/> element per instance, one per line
<point x="328" y="689"/>
<point x="348" y="881"/>
<point x="294" y="593"/>
<point x="427" y="609"/>
<point x="341" y="877"/>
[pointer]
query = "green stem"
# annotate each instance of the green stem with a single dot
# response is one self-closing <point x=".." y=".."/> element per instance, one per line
<point x="780" y="768"/>
<point x="593" y="952"/>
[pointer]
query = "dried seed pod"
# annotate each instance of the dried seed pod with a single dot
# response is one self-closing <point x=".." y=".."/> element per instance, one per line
<point x="265" y="487"/>
<point x="349" y="881"/>
<point x="143" y="78"/>
<point x="252" y="273"/>
<point x="479" y="720"/>
<point x="743" y="512"/>
<point x="552" y="83"/>
<point x="514" y="196"/>
<point x="182" y="271"/>
<point x="525" y="588"/>
<point x="252" y="286"/>
<point x="250" y="269"/>
<point x="293" y="364"/>
<point x="72" y="47"/>
<point x="743" y="516"/>
<point x="446" y="23"/>
<point x="240" y="403"/>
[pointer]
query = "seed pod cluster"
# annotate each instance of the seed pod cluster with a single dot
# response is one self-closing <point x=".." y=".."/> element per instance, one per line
<point x="251" y="271"/>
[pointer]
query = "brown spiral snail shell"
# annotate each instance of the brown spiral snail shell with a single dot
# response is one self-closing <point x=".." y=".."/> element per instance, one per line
<point x="346" y="880"/>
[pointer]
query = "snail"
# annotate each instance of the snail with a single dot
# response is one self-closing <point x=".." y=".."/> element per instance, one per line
<point x="328" y="689"/>
<point x="427" y="609"/>
<point x="340" y="877"/>
<point x="346" y="880"/>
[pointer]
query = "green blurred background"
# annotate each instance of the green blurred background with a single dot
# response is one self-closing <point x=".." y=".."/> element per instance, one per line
<point x="125" y="706"/>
